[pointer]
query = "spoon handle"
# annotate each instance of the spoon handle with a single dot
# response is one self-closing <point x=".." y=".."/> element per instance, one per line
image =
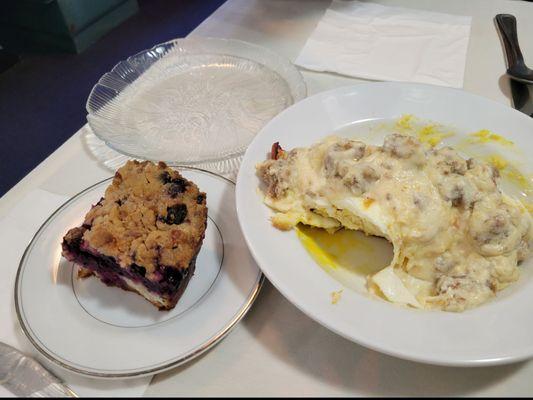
<point x="506" y="24"/>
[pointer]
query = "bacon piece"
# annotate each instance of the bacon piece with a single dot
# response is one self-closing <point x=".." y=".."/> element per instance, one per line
<point x="276" y="152"/>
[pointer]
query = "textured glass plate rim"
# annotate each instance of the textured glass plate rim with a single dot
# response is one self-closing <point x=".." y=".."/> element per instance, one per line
<point x="297" y="96"/>
<point x="93" y="144"/>
<point x="221" y="334"/>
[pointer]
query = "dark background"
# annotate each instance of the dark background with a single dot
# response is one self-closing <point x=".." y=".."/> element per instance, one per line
<point x="42" y="97"/>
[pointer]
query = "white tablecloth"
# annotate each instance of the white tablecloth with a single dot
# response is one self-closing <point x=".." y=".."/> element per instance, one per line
<point x="277" y="350"/>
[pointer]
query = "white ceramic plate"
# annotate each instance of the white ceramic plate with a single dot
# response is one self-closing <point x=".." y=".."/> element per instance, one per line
<point x="92" y="329"/>
<point x="495" y="333"/>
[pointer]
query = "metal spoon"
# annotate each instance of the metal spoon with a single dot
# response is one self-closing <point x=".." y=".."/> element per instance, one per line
<point x="516" y="68"/>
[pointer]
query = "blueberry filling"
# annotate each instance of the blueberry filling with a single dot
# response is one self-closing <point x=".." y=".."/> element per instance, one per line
<point x="200" y="199"/>
<point x="178" y="185"/>
<point x="173" y="276"/>
<point x="175" y="214"/>
<point x="175" y="188"/>
<point x="111" y="273"/>
<point x="137" y="269"/>
<point x="165" y="177"/>
<point x="166" y="281"/>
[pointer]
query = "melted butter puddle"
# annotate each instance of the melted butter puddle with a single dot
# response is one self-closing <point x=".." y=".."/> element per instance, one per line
<point x="347" y="255"/>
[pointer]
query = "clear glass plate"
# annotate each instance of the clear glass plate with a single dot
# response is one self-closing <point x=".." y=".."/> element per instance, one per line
<point x="113" y="160"/>
<point x="190" y="101"/>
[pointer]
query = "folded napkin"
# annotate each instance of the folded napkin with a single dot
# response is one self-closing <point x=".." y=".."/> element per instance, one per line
<point x="373" y="41"/>
<point x="16" y="230"/>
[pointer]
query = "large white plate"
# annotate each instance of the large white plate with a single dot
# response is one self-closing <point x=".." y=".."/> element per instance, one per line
<point x="495" y="333"/>
<point x="92" y="329"/>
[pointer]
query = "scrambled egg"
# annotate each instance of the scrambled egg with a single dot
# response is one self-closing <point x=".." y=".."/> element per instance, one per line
<point x="457" y="239"/>
<point x="486" y="136"/>
<point x="336" y="296"/>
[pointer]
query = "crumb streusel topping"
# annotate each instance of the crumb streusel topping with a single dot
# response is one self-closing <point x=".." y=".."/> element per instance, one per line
<point x="150" y="216"/>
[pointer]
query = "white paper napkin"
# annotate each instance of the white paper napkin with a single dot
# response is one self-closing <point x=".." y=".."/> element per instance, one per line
<point x="373" y="41"/>
<point x="16" y="230"/>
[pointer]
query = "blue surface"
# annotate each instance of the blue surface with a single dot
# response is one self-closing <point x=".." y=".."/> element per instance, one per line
<point x="42" y="98"/>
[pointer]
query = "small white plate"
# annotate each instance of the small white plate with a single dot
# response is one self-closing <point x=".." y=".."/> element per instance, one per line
<point x="89" y="328"/>
<point x="495" y="333"/>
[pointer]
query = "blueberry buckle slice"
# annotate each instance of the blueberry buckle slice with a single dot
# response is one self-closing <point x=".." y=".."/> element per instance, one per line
<point x="144" y="234"/>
